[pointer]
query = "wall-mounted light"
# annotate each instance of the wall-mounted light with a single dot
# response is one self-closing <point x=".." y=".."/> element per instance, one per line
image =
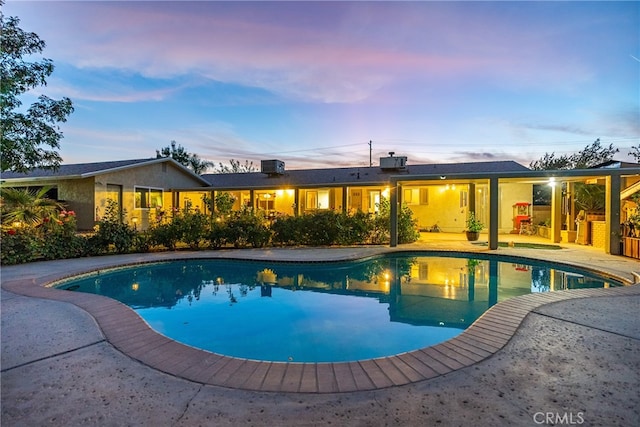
<point x="552" y="182"/>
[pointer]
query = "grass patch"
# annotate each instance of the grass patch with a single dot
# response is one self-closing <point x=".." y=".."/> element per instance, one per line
<point x="523" y="245"/>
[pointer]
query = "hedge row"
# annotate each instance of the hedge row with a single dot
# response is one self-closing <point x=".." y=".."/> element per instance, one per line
<point x="195" y="230"/>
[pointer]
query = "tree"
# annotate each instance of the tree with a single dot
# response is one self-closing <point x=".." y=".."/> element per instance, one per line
<point x="29" y="139"/>
<point x="551" y="162"/>
<point x="178" y="153"/>
<point x="236" y="167"/>
<point x="28" y="206"/>
<point x="635" y="152"/>
<point x="591" y="155"/>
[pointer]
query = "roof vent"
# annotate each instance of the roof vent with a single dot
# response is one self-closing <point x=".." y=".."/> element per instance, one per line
<point x="393" y="163"/>
<point x="272" y="167"/>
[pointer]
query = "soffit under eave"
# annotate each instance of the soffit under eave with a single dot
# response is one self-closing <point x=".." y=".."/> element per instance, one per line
<point x="285" y="186"/>
<point x="41" y="180"/>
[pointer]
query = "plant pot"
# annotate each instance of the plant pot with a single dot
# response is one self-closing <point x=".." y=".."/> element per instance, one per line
<point x="472" y="236"/>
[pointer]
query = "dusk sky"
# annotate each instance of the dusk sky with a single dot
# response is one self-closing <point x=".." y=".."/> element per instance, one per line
<point x="311" y="83"/>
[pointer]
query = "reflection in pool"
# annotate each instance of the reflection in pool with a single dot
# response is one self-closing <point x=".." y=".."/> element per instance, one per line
<point x="323" y="312"/>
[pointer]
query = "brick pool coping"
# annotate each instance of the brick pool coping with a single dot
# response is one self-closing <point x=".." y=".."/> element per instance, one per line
<point x="131" y="335"/>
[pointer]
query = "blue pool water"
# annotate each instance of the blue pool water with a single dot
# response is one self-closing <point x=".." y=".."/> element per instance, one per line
<point x="323" y="312"/>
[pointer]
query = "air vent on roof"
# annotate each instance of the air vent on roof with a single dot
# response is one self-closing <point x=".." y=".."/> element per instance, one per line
<point x="272" y="167"/>
<point x="393" y="163"/>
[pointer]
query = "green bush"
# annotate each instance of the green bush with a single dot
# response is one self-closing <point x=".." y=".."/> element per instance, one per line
<point x="246" y="228"/>
<point x="112" y="232"/>
<point x="355" y="229"/>
<point x="165" y="234"/>
<point x="218" y="235"/>
<point x="19" y="245"/>
<point x="321" y="228"/>
<point x="142" y="242"/>
<point x="58" y="238"/>
<point x="191" y="226"/>
<point x="407" y="225"/>
<point x="287" y="230"/>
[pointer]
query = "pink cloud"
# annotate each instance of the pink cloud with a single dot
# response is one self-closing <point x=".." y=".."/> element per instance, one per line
<point x="345" y="55"/>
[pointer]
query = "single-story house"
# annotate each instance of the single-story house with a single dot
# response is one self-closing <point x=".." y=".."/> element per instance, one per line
<point x="439" y="195"/>
<point x="138" y="186"/>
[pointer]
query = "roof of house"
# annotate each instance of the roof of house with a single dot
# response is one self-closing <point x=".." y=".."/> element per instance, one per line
<point x="351" y="176"/>
<point x="616" y="164"/>
<point x="85" y="170"/>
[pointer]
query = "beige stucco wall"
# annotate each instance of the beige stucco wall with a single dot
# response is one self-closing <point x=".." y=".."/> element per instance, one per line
<point x="164" y="176"/>
<point x="78" y="195"/>
<point x="510" y="194"/>
<point x="443" y="208"/>
<point x="446" y="205"/>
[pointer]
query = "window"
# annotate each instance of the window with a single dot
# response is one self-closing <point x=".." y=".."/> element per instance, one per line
<point x="464" y="198"/>
<point x="323" y="199"/>
<point x="312" y="200"/>
<point x="416" y="196"/>
<point x="146" y="198"/>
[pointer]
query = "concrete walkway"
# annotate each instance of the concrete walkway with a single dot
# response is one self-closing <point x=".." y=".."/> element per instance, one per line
<point x="576" y="360"/>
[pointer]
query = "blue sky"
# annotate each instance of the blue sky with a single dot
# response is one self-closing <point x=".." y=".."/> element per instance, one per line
<point x="311" y="83"/>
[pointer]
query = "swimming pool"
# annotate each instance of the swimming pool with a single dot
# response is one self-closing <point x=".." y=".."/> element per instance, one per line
<point x="323" y="312"/>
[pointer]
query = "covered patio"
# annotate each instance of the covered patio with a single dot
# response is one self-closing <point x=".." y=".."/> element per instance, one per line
<point x="619" y="184"/>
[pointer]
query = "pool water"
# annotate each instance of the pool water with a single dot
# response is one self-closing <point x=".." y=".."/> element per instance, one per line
<point x="322" y="312"/>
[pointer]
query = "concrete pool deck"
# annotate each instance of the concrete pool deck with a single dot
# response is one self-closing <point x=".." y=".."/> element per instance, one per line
<point x="76" y="359"/>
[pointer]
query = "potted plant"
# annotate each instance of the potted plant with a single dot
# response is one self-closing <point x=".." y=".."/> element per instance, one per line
<point x="474" y="227"/>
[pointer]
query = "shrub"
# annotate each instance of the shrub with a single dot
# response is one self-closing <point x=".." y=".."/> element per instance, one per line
<point x="165" y="234"/>
<point x="142" y="242"/>
<point x="218" y="235"/>
<point x="19" y="245"/>
<point x="58" y="237"/>
<point x="355" y="229"/>
<point x="191" y="226"/>
<point x="287" y="230"/>
<point x="111" y="231"/>
<point x="407" y="225"/>
<point x="246" y="228"/>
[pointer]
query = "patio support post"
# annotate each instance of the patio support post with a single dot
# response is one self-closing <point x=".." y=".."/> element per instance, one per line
<point x="393" y="213"/>
<point x="493" y="213"/>
<point x="175" y="200"/>
<point x="571" y="208"/>
<point x="472" y="198"/>
<point x="296" y="202"/>
<point x="345" y="191"/>
<point x="613" y="187"/>
<point x="556" y="212"/>
<point x="212" y="194"/>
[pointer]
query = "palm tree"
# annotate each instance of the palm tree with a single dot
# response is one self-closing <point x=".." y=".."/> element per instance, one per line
<point x="27" y="206"/>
